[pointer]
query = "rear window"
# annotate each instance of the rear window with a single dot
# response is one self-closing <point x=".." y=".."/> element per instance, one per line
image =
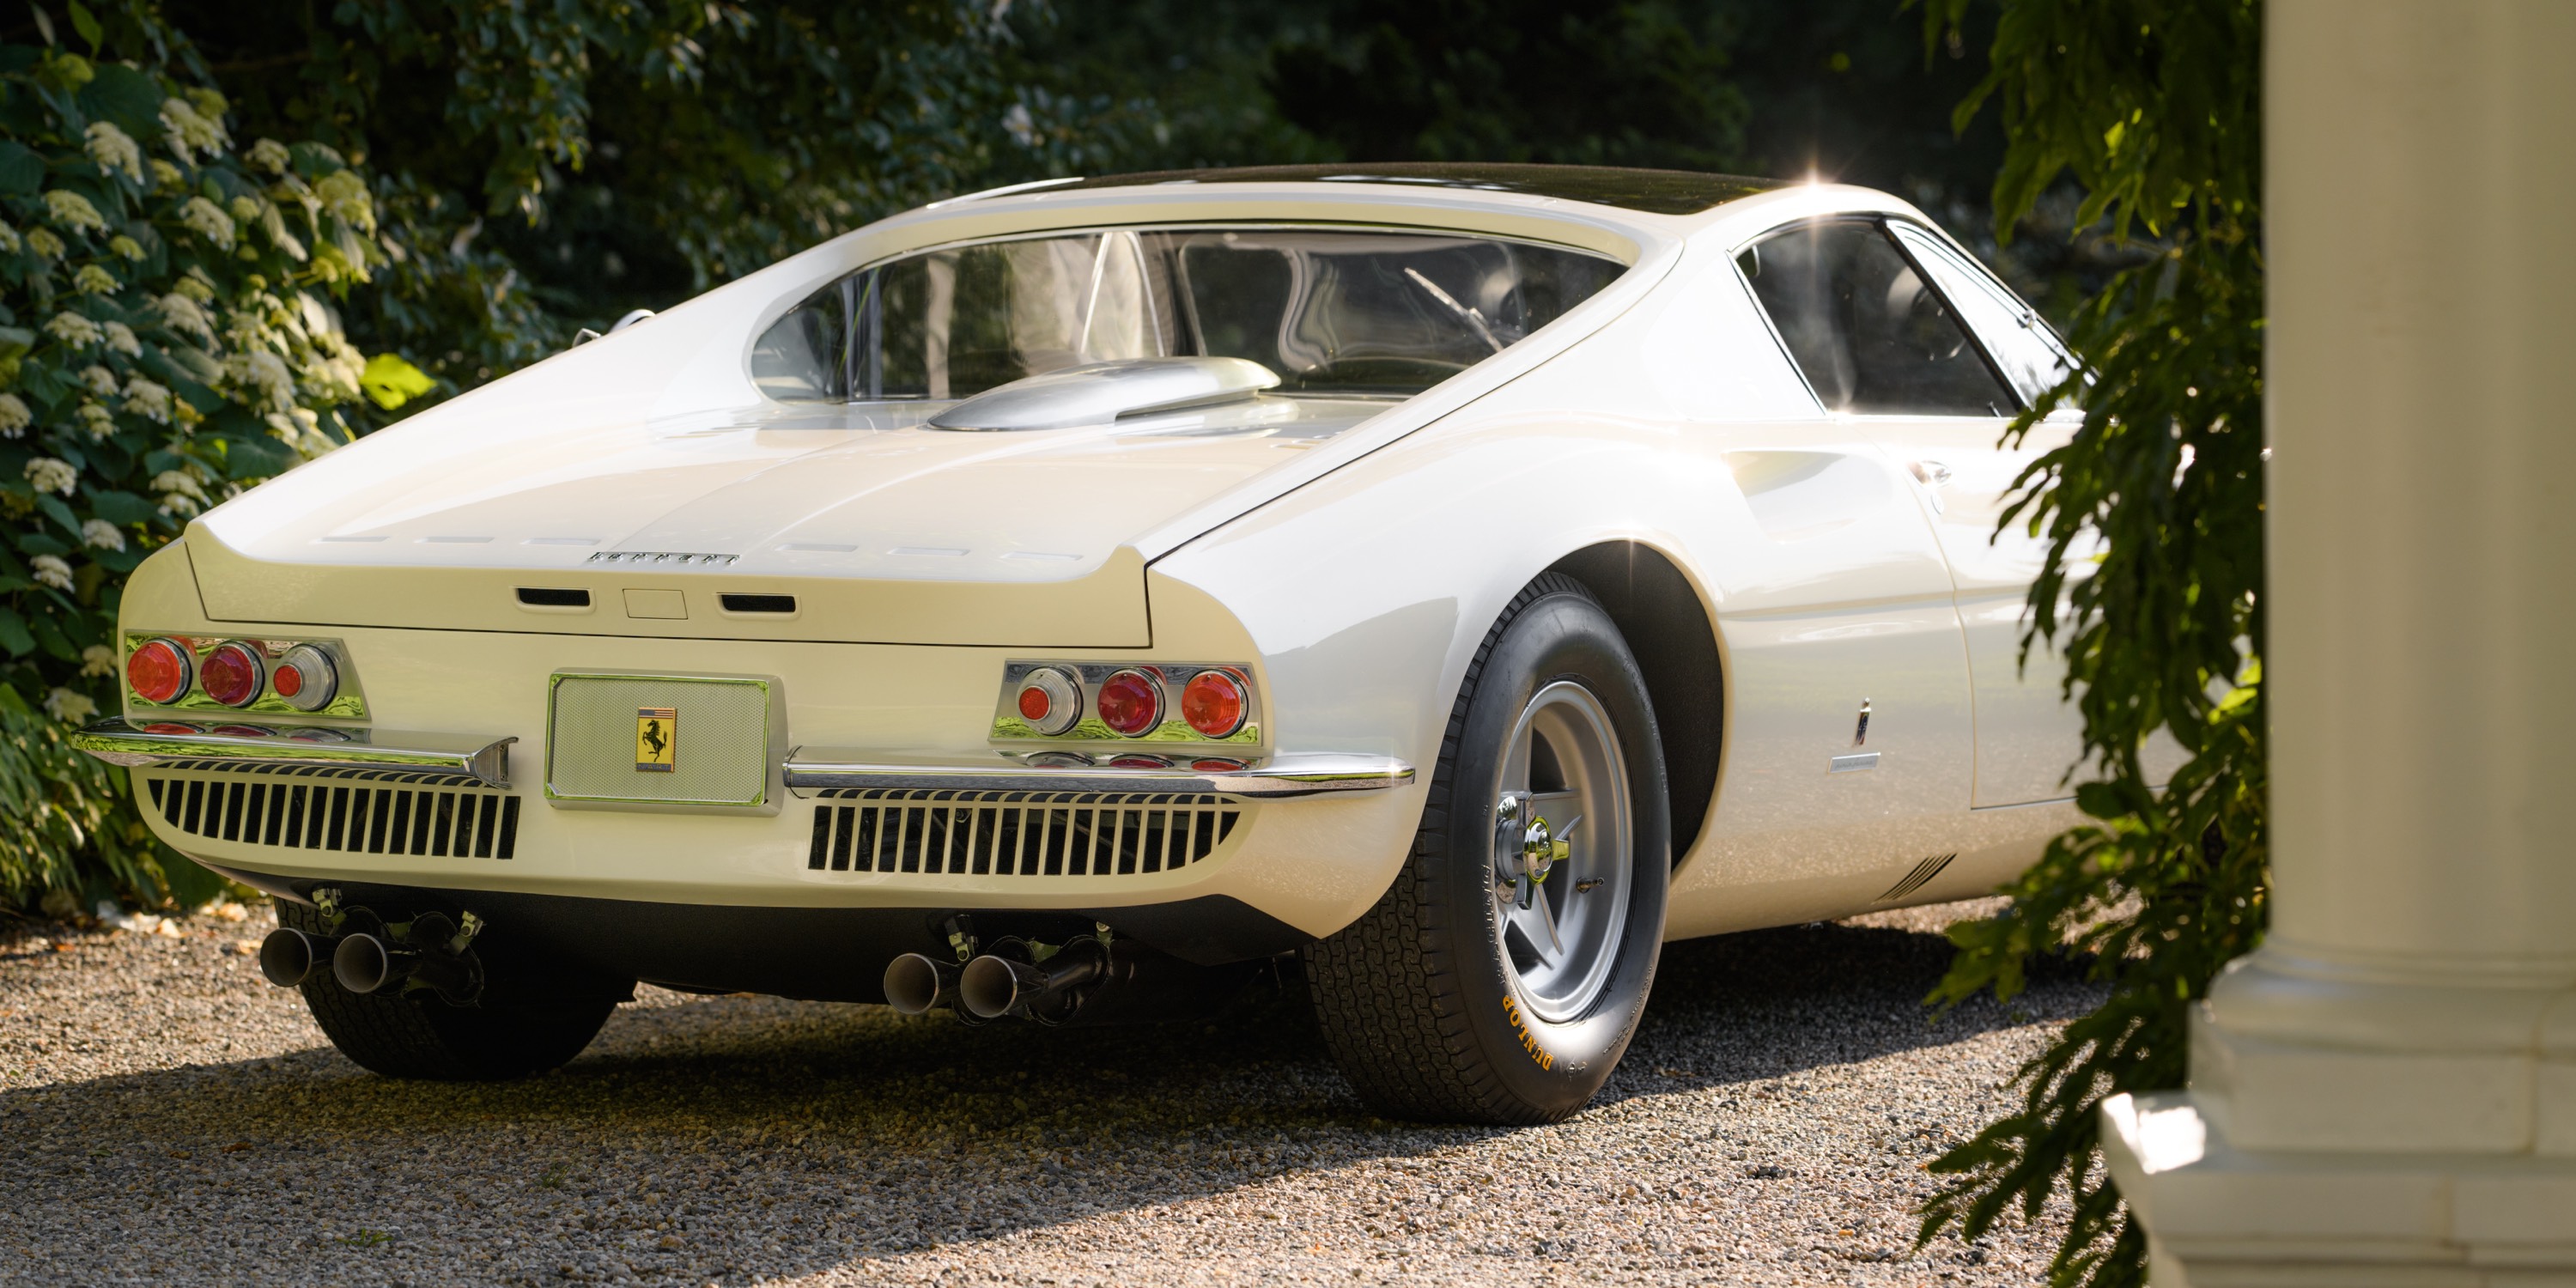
<point x="1340" y="311"/>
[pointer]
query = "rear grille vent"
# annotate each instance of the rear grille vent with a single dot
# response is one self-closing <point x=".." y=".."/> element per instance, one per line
<point x="442" y="822"/>
<point x="1017" y="834"/>
<point x="1918" y="878"/>
<point x="552" y="597"/>
<point x="757" y="603"/>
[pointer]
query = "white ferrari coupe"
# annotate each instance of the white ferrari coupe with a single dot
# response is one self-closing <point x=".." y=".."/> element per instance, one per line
<point x="1055" y="604"/>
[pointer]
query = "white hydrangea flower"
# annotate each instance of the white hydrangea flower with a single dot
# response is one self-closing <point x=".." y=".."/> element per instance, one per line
<point x="14" y="416"/>
<point x="93" y="280"/>
<point x="122" y="339"/>
<point x="72" y="212"/>
<point x="98" y="380"/>
<point x="269" y="155"/>
<point x="164" y="174"/>
<point x="1022" y="128"/>
<point x="99" y="421"/>
<point x="264" y="374"/>
<point x="196" y="285"/>
<point x="125" y="247"/>
<point x="345" y="195"/>
<point x="50" y="475"/>
<point x="147" y="399"/>
<point x="69" y="707"/>
<point x="114" y="149"/>
<point x="10" y="243"/>
<point x="74" y="330"/>
<point x="102" y="534"/>
<point x="99" y="659"/>
<point x="188" y="132"/>
<point x="185" y="315"/>
<point x="52" y="571"/>
<point x="45" y="243"/>
<point x="207" y="220"/>
<point x="245" y="209"/>
<point x="180" y="493"/>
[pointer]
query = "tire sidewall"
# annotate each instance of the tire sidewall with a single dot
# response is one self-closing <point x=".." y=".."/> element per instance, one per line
<point x="1551" y="1067"/>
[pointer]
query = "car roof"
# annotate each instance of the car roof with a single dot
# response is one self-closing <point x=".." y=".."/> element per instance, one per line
<point x="1657" y="192"/>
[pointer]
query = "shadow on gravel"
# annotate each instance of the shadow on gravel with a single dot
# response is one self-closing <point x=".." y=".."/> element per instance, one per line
<point x="734" y="1137"/>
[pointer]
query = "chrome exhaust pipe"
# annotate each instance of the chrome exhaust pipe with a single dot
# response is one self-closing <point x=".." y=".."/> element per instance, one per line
<point x="992" y="987"/>
<point x="363" y="963"/>
<point x="289" y="957"/>
<point x="916" y="984"/>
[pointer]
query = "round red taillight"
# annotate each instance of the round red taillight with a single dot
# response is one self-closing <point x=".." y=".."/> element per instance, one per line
<point x="159" y="671"/>
<point x="1050" y="701"/>
<point x="233" y="674"/>
<point x="1213" y="703"/>
<point x="306" y="678"/>
<point x="1131" y="703"/>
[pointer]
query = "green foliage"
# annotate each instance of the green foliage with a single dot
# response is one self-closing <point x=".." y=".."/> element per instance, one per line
<point x="544" y="168"/>
<point x="2152" y="106"/>
<point x="166" y="339"/>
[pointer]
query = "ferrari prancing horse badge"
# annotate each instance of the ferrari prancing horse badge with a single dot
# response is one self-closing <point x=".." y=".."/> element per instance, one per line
<point x="657" y="739"/>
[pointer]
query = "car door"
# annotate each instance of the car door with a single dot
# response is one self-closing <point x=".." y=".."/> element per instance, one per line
<point x="1855" y="303"/>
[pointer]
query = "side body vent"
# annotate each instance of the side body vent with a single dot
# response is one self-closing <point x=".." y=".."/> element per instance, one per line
<point x="1916" y="879"/>
<point x="443" y="822"/>
<point x="1017" y="834"/>
<point x="734" y="603"/>
<point x="553" y="597"/>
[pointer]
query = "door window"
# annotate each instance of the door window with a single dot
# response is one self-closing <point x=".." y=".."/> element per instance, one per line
<point x="1871" y="335"/>
<point x="2020" y="343"/>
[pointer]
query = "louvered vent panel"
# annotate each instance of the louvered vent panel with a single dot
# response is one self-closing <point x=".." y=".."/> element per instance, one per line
<point x="353" y="818"/>
<point x="1915" y="879"/>
<point x="1017" y="834"/>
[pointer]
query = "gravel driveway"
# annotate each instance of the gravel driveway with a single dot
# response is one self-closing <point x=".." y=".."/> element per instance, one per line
<point x="165" y="1116"/>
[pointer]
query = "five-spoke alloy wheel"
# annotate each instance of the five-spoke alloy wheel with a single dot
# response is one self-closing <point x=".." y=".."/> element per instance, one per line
<point x="1502" y="974"/>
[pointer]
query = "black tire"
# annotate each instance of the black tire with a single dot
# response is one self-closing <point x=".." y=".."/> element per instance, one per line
<point x="421" y="1037"/>
<point x="1417" y="998"/>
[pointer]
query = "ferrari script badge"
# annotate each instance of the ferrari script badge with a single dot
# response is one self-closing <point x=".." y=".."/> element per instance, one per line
<point x="657" y="739"/>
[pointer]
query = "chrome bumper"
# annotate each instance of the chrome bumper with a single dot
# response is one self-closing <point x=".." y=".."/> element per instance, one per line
<point x="317" y="749"/>
<point x="1271" y="779"/>
<point x="385" y="754"/>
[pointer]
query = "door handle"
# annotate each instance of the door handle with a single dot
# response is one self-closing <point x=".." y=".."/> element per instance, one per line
<point x="1933" y="475"/>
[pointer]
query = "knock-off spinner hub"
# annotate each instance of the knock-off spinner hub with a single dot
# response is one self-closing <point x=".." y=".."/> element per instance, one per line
<point x="1527" y="845"/>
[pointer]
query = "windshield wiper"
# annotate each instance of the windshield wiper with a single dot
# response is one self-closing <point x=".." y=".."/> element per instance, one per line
<point x="1465" y="314"/>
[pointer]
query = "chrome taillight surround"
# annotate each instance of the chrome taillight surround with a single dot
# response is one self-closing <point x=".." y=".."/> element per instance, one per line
<point x="345" y="702"/>
<point x="1009" y="726"/>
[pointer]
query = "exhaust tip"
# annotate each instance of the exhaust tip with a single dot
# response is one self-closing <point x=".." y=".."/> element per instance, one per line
<point x="992" y="987"/>
<point x="287" y="957"/>
<point x="361" y="964"/>
<point x="915" y="984"/>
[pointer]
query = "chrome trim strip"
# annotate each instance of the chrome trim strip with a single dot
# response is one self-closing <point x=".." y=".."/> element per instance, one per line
<point x="1276" y="778"/>
<point x="240" y="743"/>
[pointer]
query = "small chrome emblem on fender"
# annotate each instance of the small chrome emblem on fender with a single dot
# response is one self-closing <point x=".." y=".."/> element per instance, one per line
<point x="657" y="739"/>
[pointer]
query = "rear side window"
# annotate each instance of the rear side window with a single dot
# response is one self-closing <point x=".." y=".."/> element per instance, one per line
<point x="1871" y="335"/>
<point x="2015" y="337"/>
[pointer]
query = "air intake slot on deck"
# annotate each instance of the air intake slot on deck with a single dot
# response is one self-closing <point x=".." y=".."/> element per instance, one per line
<point x="551" y="597"/>
<point x="757" y="603"/>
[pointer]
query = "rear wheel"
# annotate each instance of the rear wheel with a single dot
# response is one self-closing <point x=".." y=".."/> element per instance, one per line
<point x="419" y="1036"/>
<point x="1502" y="975"/>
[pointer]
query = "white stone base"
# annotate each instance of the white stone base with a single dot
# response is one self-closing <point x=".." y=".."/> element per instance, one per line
<point x="2221" y="1217"/>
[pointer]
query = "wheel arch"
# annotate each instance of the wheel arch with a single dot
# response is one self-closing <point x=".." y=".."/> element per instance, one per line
<point x="1659" y="612"/>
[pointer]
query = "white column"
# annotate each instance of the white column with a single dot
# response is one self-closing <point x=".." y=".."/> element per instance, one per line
<point x="2386" y="1092"/>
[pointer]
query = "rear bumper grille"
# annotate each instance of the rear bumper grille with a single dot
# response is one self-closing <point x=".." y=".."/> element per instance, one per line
<point x="350" y="818"/>
<point x="1017" y="834"/>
